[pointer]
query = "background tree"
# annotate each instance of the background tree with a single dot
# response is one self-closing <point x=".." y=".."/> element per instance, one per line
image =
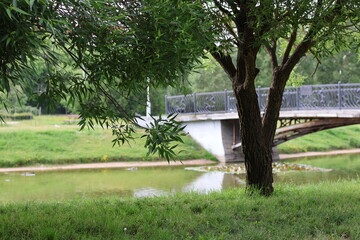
<point x="343" y="66"/>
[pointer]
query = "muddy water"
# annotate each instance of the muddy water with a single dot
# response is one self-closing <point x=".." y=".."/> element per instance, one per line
<point x="145" y="182"/>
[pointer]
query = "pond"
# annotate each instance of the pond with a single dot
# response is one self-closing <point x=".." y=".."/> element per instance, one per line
<point x="145" y="182"/>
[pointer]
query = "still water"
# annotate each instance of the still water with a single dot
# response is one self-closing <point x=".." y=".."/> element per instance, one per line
<point x="145" y="182"/>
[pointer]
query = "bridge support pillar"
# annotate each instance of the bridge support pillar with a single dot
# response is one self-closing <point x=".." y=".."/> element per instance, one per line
<point x="230" y="133"/>
<point x="209" y="135"/>
<point x="219" y="138"/>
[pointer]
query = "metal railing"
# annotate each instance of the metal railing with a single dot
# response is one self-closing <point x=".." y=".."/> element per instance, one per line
<point x="307" y="97"/>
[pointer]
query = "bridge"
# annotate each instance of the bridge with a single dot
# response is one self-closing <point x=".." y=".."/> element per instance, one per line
<point x="212" y="118"/>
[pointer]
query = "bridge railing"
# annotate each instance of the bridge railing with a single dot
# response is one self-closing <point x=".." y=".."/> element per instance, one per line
<point x="307" y="97"/>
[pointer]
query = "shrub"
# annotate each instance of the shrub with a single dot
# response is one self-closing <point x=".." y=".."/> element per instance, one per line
<point x="17" y="116"/>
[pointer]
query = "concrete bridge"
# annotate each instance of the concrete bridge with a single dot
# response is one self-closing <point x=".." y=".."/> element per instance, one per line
<point x="212" y="119"/>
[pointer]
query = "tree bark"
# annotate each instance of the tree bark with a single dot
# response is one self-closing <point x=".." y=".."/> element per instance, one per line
<point x="272" y="111"/>
<point x="258" y="158"/>
<point x="257" y="152"/>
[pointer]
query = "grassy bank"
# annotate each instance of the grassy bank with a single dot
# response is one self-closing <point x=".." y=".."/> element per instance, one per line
<point x="327" y="140"/>
<point x="49" y="140"/>
<point x="322" y="211"/>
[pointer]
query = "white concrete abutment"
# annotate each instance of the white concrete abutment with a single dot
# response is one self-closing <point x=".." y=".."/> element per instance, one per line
<point x="217" y="137"/>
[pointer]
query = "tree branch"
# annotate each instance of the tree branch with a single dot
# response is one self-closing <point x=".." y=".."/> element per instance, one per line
<point x="308" y="41"/>
<point x="118" y="107"/>
<point x="233" y="7"/>
<point x="232" y="33"/>
<point x="240" y="19"/>
<point x="299" y="52"/>
<point x="272" y="52"/>
<point x="316" y="67"/>
<point x="222" y="9"/>
<point x="290" y="45"/>
<point x="226" y="62"/>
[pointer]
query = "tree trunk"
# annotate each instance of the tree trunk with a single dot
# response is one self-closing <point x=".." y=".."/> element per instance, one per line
<point x="258" y="158"/>
<point x="273" y="106"/>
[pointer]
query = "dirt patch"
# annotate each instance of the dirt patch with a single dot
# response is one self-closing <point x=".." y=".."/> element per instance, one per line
<point x="161" y="163"/>
<point x="109" y="165"/>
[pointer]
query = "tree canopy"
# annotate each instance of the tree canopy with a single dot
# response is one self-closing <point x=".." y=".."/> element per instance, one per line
<point x="118" y="45"/>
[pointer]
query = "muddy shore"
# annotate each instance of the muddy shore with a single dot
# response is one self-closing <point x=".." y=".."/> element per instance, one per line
<point x="134" y="165"/>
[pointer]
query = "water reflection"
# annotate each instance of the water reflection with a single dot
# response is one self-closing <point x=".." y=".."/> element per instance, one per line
<point x="147" y="182"/>
<point x="344" y="167"/>
<point x="206" y="182"/>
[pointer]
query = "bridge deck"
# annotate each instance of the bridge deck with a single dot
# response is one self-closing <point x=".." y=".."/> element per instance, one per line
<point x="353" y="113"/>
<point x="211" y="117"/>
<point x="304" y="98"/>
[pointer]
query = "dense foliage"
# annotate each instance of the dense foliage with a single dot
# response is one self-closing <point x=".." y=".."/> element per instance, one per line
<point x="121" y="48"/>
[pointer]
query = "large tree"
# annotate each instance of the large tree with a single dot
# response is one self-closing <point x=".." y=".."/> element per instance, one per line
<point x="298" y="27"/>
<point x="123" y="46"/>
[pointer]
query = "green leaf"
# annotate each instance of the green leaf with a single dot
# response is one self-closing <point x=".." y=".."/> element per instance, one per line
<point x="31" y="4"/>
<point x="20" y="11"/>
<point x="8" y="11"/>
<point x="8" y="40"/>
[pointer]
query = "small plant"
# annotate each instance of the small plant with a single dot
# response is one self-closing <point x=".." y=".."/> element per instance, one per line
<point x="104" y="158"/>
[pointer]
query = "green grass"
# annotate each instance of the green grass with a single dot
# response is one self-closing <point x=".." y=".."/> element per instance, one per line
<point x="47" y="140"/>
<point x="322" y="211"/>
<point x="333" y="139"/>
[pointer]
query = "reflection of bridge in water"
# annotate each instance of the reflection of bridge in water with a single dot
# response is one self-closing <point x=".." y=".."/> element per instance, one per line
<point x="211" y="118"/>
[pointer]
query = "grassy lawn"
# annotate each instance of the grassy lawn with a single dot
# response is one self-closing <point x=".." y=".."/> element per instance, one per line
<point x="338" y="138"/>
<point x="49" y="140"/>
<point x="321" y="211"/>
